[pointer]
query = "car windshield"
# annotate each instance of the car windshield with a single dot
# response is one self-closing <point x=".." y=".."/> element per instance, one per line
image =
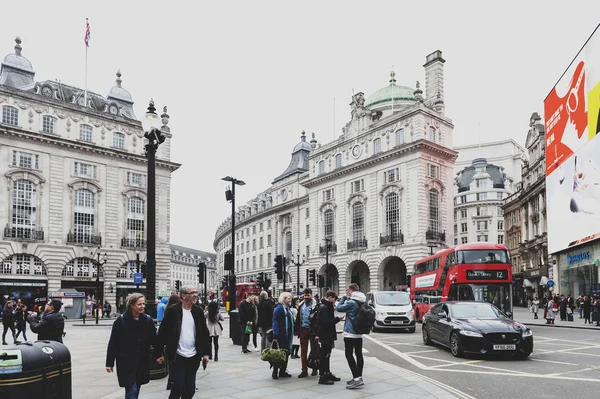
<point x="392" y="298"/>
<point x="482" y="256"/>
<point x="476" y="311"/>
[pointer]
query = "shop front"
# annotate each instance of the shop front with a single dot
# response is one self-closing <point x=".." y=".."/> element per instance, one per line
<point x="29" y="292"/>
<point x="535" y="282"/>
<point x="88" y="286"/>
<point x="123" y="290"/>
<point x="578" y="271"/>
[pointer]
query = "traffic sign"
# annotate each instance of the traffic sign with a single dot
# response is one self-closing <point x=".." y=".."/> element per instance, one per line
<point x="138" y="278"/>
<point x="550" y="283"/>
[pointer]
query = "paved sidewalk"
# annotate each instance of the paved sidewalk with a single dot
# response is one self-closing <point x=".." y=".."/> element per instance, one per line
<point x="245" y="376"/>
<point x="523" y="315"/>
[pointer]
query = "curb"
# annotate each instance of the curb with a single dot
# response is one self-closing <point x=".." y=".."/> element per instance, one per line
<point x="561" y="326"/>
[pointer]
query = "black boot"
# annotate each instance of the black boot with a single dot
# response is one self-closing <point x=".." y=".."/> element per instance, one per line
<point x="275" y="374"/>
<point x="295" y="349"/>
<point x="216" y="356"/>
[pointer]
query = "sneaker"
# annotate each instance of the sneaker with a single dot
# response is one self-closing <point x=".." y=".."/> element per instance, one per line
<point x="355" y="384"/>
<point x="325" y="381"/>
<point x="303" y="374"/>
<point x="350" y="382"/>
<point x="314" y="372"/>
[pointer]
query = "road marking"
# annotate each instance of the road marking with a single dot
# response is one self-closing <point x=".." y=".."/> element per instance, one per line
<point x="554" y="361"/>
<point x="427" y="351"/>
<point x="455" y="364"/>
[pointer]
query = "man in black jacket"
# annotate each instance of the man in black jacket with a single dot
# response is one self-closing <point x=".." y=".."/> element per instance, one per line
<point x="265" y="318"/>
<point x="183" y="330"/>
<point x="8" y="321"/>
<point x="51" y="325"/>
<point x="326" y="335"/>
<point x="246" y="315"/>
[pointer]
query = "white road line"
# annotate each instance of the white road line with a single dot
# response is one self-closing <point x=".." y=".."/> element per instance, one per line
<point x="554" y="361"/>
<point x="427" y="351"/>
<point x="583" y="354"/>
<point x="454" y="364"/>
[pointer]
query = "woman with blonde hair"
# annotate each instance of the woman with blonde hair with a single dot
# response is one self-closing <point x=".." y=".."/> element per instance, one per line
<point x="283" y="330"/>
<point x="132" y="334"/>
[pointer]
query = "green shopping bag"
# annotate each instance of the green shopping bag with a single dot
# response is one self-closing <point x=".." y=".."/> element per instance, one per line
<point x="248" y="330"/>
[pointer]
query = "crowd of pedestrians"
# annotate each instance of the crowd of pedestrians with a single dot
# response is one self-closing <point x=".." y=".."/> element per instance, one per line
<point x="48" y="325"/>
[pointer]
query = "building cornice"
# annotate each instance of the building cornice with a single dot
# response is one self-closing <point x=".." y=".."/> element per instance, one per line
<point x="261" y="215"/>
<point x="80" y="146"/>
<point x="420" y="145"/>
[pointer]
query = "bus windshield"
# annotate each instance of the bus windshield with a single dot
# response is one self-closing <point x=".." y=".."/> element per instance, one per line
<point x="470" y="257"/>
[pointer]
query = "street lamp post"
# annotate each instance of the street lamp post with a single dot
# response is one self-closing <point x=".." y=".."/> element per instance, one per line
<point x="327" y="240"/>
<point x="155" y="138"/>
<point x="298" y="264"/>
<point x="230" y="196"/>
<point x="98" y="266"/>
<point x="137" y="263"/>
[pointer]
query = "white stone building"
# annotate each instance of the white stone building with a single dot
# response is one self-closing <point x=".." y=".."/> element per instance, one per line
<point x="507" y="154"/>
<point x="184" y="267"/>
<point x="379" y="195"/>
<point x="75" y="176"/>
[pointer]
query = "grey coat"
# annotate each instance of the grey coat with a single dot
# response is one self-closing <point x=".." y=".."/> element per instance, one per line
<point x="214" y="329"/>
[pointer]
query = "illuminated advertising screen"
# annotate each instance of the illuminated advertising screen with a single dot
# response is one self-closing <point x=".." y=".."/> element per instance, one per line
<point x="572" y="124"/>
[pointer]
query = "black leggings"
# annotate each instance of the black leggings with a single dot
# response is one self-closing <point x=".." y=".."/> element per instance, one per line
<point x="356" y="366"/>
<point x="215" y="344"/>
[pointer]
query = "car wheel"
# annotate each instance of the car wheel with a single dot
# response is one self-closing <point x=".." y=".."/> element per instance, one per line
<point x="374" y="329"/>
<point x="426" y="339"/>
<point x="455" y="345"/>
<point x="412" y="330"/>
<point x="417" y="319"/>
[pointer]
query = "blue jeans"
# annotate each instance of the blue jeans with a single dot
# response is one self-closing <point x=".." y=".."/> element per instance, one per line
<point x="133" y="392"/>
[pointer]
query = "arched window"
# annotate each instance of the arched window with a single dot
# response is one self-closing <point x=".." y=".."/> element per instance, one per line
<point x="288" y="246"/>
<point x="118" y="140"/>
<point x="83" y="217"/>
<point x="358" y="223"/>
<point x="10" y="115"/>
<point x="392" y="217"/>
<point x="321" y="167"/>
<point x="81" y="267"/>
<point x="136" y="212"/>
<point x="329" y="224"/>
<point x="434" y="211"/>
<point x="338" y="161"/>
<point x="49" y="124"/>
<point x="431" y="136"/>
<point x="377" y="146"/>
<point x="400" y="136"/>
<point x="23" y="264"/>
<point x="24" y="208"/>
<point x="85" y="133"/>
<point x="127" y="269"/>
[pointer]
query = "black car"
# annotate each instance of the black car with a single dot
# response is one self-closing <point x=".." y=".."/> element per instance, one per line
<point x="475" y="327"/>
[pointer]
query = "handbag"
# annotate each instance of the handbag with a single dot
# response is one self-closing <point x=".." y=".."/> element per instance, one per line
<point x="273" y="354"/>
<point x="248" y="330"/>
<point x="313" y="361"/>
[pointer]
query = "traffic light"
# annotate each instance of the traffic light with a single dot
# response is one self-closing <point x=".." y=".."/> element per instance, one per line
<point x="321" y="281"/>
<point x="225" y="283"/>
<point x="279" y="267"/>
<point x="312" y="276"/>
<point x="177" y="284"/>
<point x="260" y="279"/>
<point x="201" y="267"/>
<point x="228" y="265"/>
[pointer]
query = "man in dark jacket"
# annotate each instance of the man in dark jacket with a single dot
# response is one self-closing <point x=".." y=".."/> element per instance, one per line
<point x="8" y="321"/>
<point x="265" y="318"/>
<point x="246" y="315"/>
<point x="326" y="335"/>
<point x="184" y="332"/>
<point x="51" y="325"/>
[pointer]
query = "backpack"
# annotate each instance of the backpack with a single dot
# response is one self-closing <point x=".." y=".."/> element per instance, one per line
<point x="313" y="320"/>
<point x="364" y="320"/>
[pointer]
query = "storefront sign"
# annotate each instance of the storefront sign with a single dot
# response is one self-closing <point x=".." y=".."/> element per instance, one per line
<point x="66" y="294"/>
<point x="578" y="257"/>
<point x="83" y="278"/>
<point x="21" y="284"/>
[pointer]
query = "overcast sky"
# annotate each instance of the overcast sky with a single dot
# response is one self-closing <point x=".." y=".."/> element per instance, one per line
<point x="242" y="79"/>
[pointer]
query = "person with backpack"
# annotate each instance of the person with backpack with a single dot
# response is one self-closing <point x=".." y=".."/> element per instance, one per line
<point x="325" y="335"/>
<point x="350" y="303"/>
<point x="302" y="330"/>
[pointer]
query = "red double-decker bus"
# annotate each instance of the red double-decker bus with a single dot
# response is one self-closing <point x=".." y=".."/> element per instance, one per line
<point x="242" y="292"/>
<point x="478" y="271"/>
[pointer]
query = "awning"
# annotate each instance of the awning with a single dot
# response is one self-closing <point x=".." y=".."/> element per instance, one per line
<point x="527" y="283"/>
<point x="544" y="280"/>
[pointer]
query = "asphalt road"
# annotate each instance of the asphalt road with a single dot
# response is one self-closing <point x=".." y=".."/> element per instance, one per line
<point x="565" y="363"/>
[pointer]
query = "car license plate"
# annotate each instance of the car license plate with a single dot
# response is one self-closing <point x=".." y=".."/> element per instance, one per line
<point x="505" y="347"/>
<point x="397" y="322"/>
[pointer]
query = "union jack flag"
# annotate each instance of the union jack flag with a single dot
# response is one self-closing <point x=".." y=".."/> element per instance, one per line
<point x="87" y="33"/>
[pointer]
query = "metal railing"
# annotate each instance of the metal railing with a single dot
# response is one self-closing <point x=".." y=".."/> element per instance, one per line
<point x="332" y="248"/>
<point x="82" y="238"/>
<point x="432" y="235"/>
<point x="132" y="243"/>
<point x="22" y="233"/>
<point x="394" y="238"/>
<point x="361" y="243"/>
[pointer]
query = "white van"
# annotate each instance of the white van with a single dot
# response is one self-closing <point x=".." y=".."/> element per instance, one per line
<point x="392" y="310"/>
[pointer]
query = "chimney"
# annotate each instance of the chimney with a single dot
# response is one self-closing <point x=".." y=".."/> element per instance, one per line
<point x="434" y="77"/>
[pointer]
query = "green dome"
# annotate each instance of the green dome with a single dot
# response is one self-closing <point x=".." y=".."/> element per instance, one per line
<point x="389" y="93"/>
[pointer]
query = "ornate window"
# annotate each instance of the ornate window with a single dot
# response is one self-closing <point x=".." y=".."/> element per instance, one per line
<point x="434" y="211"/>
<point x="118" y="140"/>
<point x="83" y="216"/>
<point x="49" y="124"/>
<point x="329" y="224"/>
<point x="321" y="167"/>
<point x="288" y="246"/>
<point x="400" y="136"/>
<point x="10" y="115"/>
<point x="135" y="179"/>
<point x="377" y="146"/>
<point x="85" y="133"/>
<point x="392" y="215"/>
<point x="136" y="212"/>
<point x="23" y="264"/>
<point x="338" y="161"/>
<point x="431" y="136"/>
<point x="358" y="221"/>
<point x="24" y="208"/>
<point x="25" y="160"/>
<point x="81" y="267"/>
<point x="81" y="169"/>
<point x="130" y="267"/>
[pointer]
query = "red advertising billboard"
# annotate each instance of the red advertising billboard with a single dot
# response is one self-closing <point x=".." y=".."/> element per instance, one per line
<point x="572" y="124"/>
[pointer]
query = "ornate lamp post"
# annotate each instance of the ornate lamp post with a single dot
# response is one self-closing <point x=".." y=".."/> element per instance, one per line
<point x="298" y="264"/>
<point x="151" y="124"/>
<point x="98" y="267"/>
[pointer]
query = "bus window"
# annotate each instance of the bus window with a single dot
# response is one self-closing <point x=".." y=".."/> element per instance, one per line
<point x="482" y="256"/>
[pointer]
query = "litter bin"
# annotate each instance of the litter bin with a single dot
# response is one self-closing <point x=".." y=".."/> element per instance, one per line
<point x="40" y="370"/>
<point x="234" y="328"/>
<point x="157" y="370"/>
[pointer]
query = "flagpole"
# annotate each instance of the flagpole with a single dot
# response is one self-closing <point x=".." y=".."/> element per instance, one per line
<point x="86" y="64"/>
